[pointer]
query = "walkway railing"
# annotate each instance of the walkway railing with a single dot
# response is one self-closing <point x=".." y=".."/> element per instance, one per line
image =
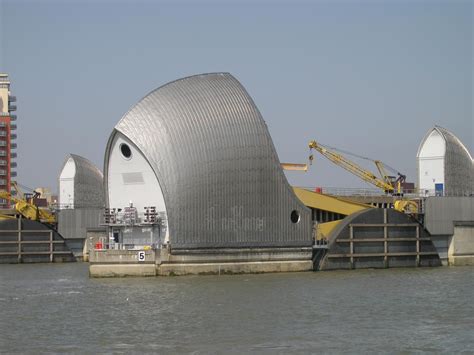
<point x="350" y="191"/>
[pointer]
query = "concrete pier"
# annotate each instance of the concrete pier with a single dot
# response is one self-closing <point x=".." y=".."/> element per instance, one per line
<point x="461" y="247"/>
<point x="163" y="262"/>
<point x="450" y="221"/>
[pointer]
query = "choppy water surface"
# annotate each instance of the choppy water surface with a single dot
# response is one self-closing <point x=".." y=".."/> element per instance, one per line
<point x="57" y="308"/>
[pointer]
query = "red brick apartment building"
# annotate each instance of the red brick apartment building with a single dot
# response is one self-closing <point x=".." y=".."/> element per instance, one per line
<point x="7" y="137"/>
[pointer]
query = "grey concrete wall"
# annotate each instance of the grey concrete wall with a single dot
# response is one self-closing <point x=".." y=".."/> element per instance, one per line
<point x="121" y="257"/>
<point x="256" y="267"/>
<point x="461" y="249"/>
<point x="442" y="212"/>
<point x="441" y="243"/>
<point x="120" y="263"/>
<point x="73" y="223"/>
<point x="122" y="270"/>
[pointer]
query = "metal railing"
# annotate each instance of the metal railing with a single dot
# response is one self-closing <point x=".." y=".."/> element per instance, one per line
<point x="408" y="193"/>
<point x="103" y="244"/>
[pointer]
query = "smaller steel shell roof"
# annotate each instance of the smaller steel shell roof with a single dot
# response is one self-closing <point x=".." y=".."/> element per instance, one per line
<point x="458" y="163"/>
<point x="88" y="183"/>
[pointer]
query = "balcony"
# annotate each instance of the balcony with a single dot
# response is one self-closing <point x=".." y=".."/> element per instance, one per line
<point x="12" y="118"/>
<point x="3" y="133"/>
<point x="13" y="155"/>
<point x="3" y="172"/>
<point x="13" y="127"/>
<point x="11" y="108"/>
<point x="3" y="182"/>
<point x="13" y="136"/>
<point x="3" y="162"/>
<point x="11" y="98"/>
<point x="13" y="173"/>
<point x="3" y="153"/>
<point x="13" y="146"/>
<point x="3" y="144"/>
<point x="13" y="164"/>
<point x="3" y="124"/>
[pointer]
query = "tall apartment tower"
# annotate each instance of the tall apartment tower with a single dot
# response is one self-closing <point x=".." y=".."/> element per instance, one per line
<point x="7" y="137"/>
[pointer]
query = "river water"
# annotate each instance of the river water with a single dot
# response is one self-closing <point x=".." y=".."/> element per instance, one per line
<point x="57" y="308"/>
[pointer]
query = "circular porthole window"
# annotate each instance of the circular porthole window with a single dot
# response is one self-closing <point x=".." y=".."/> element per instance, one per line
<point x="295" y="216"/>
<point x="126" y="151"/>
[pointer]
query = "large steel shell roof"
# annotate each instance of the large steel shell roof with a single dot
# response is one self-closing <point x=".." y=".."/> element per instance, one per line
<point x="218" y="169"/>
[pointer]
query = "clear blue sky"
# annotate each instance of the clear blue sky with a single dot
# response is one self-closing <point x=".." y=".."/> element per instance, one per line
<point x="370" y="77"/>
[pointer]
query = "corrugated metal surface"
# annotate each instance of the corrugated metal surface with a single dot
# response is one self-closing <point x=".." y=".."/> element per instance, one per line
<point x="442" y="212"/>
<point x="458" y="164"/>
<point x="88" y="183"/>
<point x="214" y="158"/>
<point x="73" y="223"/>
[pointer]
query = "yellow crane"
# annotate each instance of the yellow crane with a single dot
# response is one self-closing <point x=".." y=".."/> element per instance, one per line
<point x="385" y="182"/>
<point x="27" y="208"/>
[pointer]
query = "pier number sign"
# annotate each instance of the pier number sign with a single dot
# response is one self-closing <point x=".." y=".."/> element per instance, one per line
<point x="141" y="255"/>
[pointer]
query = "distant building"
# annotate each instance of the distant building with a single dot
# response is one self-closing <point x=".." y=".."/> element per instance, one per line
<point x="7" y="146"/>
<point x="45" y="194"/>
<point x="445" y="166"/>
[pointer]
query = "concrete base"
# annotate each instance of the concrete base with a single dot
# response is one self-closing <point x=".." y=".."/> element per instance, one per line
<point x="461" y="260"/>
<point x="120" y="263"/>
<point x="441" y="243"/>
<point x="234" y="268"/>
<point x="122" y="270"/>
<point x="143" y="270"/>
<point x="461" y="248"/>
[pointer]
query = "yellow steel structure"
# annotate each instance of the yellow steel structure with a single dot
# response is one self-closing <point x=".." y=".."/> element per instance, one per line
<point x="352" y="167"/>
<point x="28" y="209"/>
<point x="294" y="167"/>
<point x="323" y="230"/>
<point x="386" y="182"/>
<point x="407" y="206"/>
<point x="328" y="203"/>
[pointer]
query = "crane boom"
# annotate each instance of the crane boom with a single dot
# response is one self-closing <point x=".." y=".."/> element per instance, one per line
<point x="28" y="209"/>
<point x="352" y="167"/>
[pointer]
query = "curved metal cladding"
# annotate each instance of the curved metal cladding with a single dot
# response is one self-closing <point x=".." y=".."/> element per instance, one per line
<point x="88" y="183"/>
<point x="458" y="166"/>
<point x="216" y="164"/>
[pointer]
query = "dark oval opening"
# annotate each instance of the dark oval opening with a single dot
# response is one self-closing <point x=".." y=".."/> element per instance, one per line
<point x="125" y="150"/>
<point x="295" y="216"/>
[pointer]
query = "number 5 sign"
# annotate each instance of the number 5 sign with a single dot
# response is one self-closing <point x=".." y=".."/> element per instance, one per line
<point x="141" y="255"/>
